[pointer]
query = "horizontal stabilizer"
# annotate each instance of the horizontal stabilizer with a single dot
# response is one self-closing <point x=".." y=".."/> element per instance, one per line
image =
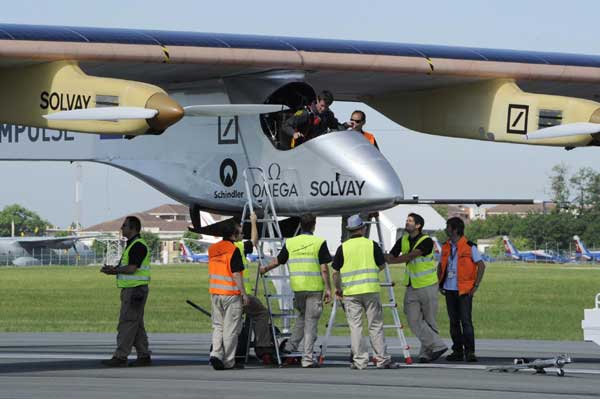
<point x="571" y="129"/>
<point x="463" y="201"/>
<point x="232" y="109"/>
<point x="103" y="114"/>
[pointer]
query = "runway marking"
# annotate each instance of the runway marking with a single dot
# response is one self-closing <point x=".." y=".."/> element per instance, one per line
<point x="204" y="359"/>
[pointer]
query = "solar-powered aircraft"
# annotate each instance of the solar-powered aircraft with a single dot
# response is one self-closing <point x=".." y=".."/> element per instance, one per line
<point x="189" y="112"/>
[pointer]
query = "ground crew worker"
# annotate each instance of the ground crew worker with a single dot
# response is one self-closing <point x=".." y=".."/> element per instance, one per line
<point x="263" y="343"/>
<point x="133" y="276"/>
<point x="460" y="272"/>
<point x="307" y="257"/>
<point x="356" y="266"/>
<point x="312" y="121"/>
<point x="357" y="122"/>
<point x="420" y="279"/>
<point x="228" y="296"/>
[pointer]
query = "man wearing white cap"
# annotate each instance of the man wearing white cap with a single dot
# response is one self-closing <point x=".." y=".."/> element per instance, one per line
<point x="356" y="266"/>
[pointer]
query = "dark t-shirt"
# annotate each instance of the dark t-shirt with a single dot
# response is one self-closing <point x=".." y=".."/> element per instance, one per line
<point x="324" y="255"/>
<point x="338" y="259"/>
<point x="426" y="246"/>
<point x="137" y="253"/>
<point x="237" y="264"/>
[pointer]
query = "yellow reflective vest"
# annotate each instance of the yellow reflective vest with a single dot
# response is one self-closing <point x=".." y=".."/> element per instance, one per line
<point x="141" y="275"/>
<point x="422" y="271"/>
<point x="303" y="262"/>
<point x="360" y="273"/>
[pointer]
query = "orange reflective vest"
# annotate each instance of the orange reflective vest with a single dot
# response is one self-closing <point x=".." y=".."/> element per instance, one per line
<point x="466" y="269"/>
<point x="369" y="137"/>
<point x="220" y="277"/>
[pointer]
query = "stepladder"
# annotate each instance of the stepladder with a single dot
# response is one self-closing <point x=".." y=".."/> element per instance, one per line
<point x="275" y="284"/>
<point x="389" y="305"/>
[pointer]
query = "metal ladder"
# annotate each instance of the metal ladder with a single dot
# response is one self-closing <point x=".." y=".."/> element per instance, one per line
<point x="391" y="304"/>
<point x="276" y="283"/>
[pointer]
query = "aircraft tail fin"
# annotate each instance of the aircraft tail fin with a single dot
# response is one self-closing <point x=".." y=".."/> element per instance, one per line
<point x="509" y="247"/>
<point x="580" y="248"/>
<point x="185" y="251"/>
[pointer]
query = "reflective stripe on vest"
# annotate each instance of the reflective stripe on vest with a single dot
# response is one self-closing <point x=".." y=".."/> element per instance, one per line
<point x="421" y="271"/>
<point x="220" y="277"/>
<point x="141" y="275"/>
<point x="360" y="273"/>
<point x="303" y="262"/>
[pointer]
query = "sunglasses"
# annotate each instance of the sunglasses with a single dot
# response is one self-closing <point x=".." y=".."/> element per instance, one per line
<point x="355" y="121"/>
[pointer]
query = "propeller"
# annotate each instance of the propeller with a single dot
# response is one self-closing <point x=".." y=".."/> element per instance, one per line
<point x="103" y="114"/>
<point x="571" y="129"/>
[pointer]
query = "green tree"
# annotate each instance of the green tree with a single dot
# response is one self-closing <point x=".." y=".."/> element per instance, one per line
<point x="580" y="182"/>
<point x="153" y="242"/>
<point x="559" y="185"/>
<point x="26" y="222"/>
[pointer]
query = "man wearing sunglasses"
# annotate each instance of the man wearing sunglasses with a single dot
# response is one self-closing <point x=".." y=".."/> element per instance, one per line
<point x="357" y="121"/>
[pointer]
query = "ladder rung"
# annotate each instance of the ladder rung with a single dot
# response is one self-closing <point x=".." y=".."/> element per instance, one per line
<point x="266" y="220"/>
<point x="279" y="296"/>
<point x="386" y="284"/>
<point x="276" y="277"/>
<point x="392" y="326"/>
<point x="284" y="315"/>
<point x="389" y="305"/>
<point x="270" y="239"/>
<point x="339" y="325"/>
<point x="337" y="346"/>
<point x="284" y="335"/>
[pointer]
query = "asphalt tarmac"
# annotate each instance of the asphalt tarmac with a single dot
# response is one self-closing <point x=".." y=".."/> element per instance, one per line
<point x="68" y="366"/>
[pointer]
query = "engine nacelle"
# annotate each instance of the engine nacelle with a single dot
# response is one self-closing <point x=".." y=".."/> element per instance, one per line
<point x="32" y="92"/>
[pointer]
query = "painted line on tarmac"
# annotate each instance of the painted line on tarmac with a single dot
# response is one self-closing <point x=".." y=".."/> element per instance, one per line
<point x="92" y="356"/>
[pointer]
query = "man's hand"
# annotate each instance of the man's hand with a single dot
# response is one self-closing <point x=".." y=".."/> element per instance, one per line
<point x="297" y="135"/>
<point x="327" y="296"/>
<point x="264" y="269"/>
<point x="245" y="300"/>
<point x="339" y="295"/>
<point x="106" y="269"/>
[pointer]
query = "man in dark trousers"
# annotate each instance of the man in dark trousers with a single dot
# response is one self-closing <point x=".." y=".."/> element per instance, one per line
<point x="460" y="272"/>
<point x="312" y="121"/>
<point x="133" y="277"/>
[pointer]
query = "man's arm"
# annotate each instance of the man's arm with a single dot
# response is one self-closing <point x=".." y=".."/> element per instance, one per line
<point x="253" y="230"/>
<point x="295" y="123"/>
<point x="279" y="260"/>
<point x="480" y="271"/>
<point x="415" y="253"/>
<point x="137" y="253"/>
<point x="239" y="281"/>
<point x="325" y="276"/>
<point x="337" y="281"/>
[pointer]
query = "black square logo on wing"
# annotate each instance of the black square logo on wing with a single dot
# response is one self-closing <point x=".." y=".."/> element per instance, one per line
<point x="517" y="118"/>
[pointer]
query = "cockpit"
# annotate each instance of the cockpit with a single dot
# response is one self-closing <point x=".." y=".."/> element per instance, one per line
<point x="295" y="95"/>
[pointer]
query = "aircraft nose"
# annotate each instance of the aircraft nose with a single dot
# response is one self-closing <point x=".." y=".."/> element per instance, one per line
<point x="357" y="159"/>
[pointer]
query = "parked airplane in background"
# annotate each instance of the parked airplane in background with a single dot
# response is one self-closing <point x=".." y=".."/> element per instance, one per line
<point x="29" y="251"/>
<point x="581" y="251"/>
<point x="187" y="255"/>
<point x="530" y="256"/>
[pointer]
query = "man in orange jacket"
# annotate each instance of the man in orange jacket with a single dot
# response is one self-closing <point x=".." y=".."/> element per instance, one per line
<point x="460" y="272"/>
<point x="357" y="122"/>
<point x="228" y="296"/>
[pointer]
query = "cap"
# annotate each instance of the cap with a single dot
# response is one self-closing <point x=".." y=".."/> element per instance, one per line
<point x="355" y="222"/>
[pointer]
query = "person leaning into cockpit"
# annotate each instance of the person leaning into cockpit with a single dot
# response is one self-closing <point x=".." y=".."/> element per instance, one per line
<point x="312" y="121"/>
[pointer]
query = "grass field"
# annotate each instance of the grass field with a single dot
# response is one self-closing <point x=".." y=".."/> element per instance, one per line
<point x="521" y="301"/>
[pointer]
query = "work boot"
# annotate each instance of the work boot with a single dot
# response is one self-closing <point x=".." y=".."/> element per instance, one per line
<point x="142" y="362"/>
<point x="216" y="363"/>
<point x="455" y="357"/>
<point x="391" y="365"/>
<point x="436" y="355"/>
<point x="470" y="357"/>
<point x="114" y="362"/>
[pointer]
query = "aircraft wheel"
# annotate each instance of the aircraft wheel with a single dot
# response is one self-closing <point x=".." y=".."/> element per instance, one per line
<point x="560" y="372"/>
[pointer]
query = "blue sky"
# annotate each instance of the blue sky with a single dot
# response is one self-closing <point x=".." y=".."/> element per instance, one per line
<point x="426" y="164"/>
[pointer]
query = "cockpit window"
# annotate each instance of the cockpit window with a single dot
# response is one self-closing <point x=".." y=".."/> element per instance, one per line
<point x="295" y="95"/>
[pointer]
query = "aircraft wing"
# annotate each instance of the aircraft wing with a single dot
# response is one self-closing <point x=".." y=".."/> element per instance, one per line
<point x="29" y="243"/>
<point x="484" y="94"/>
<point x="351" y="69"/>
